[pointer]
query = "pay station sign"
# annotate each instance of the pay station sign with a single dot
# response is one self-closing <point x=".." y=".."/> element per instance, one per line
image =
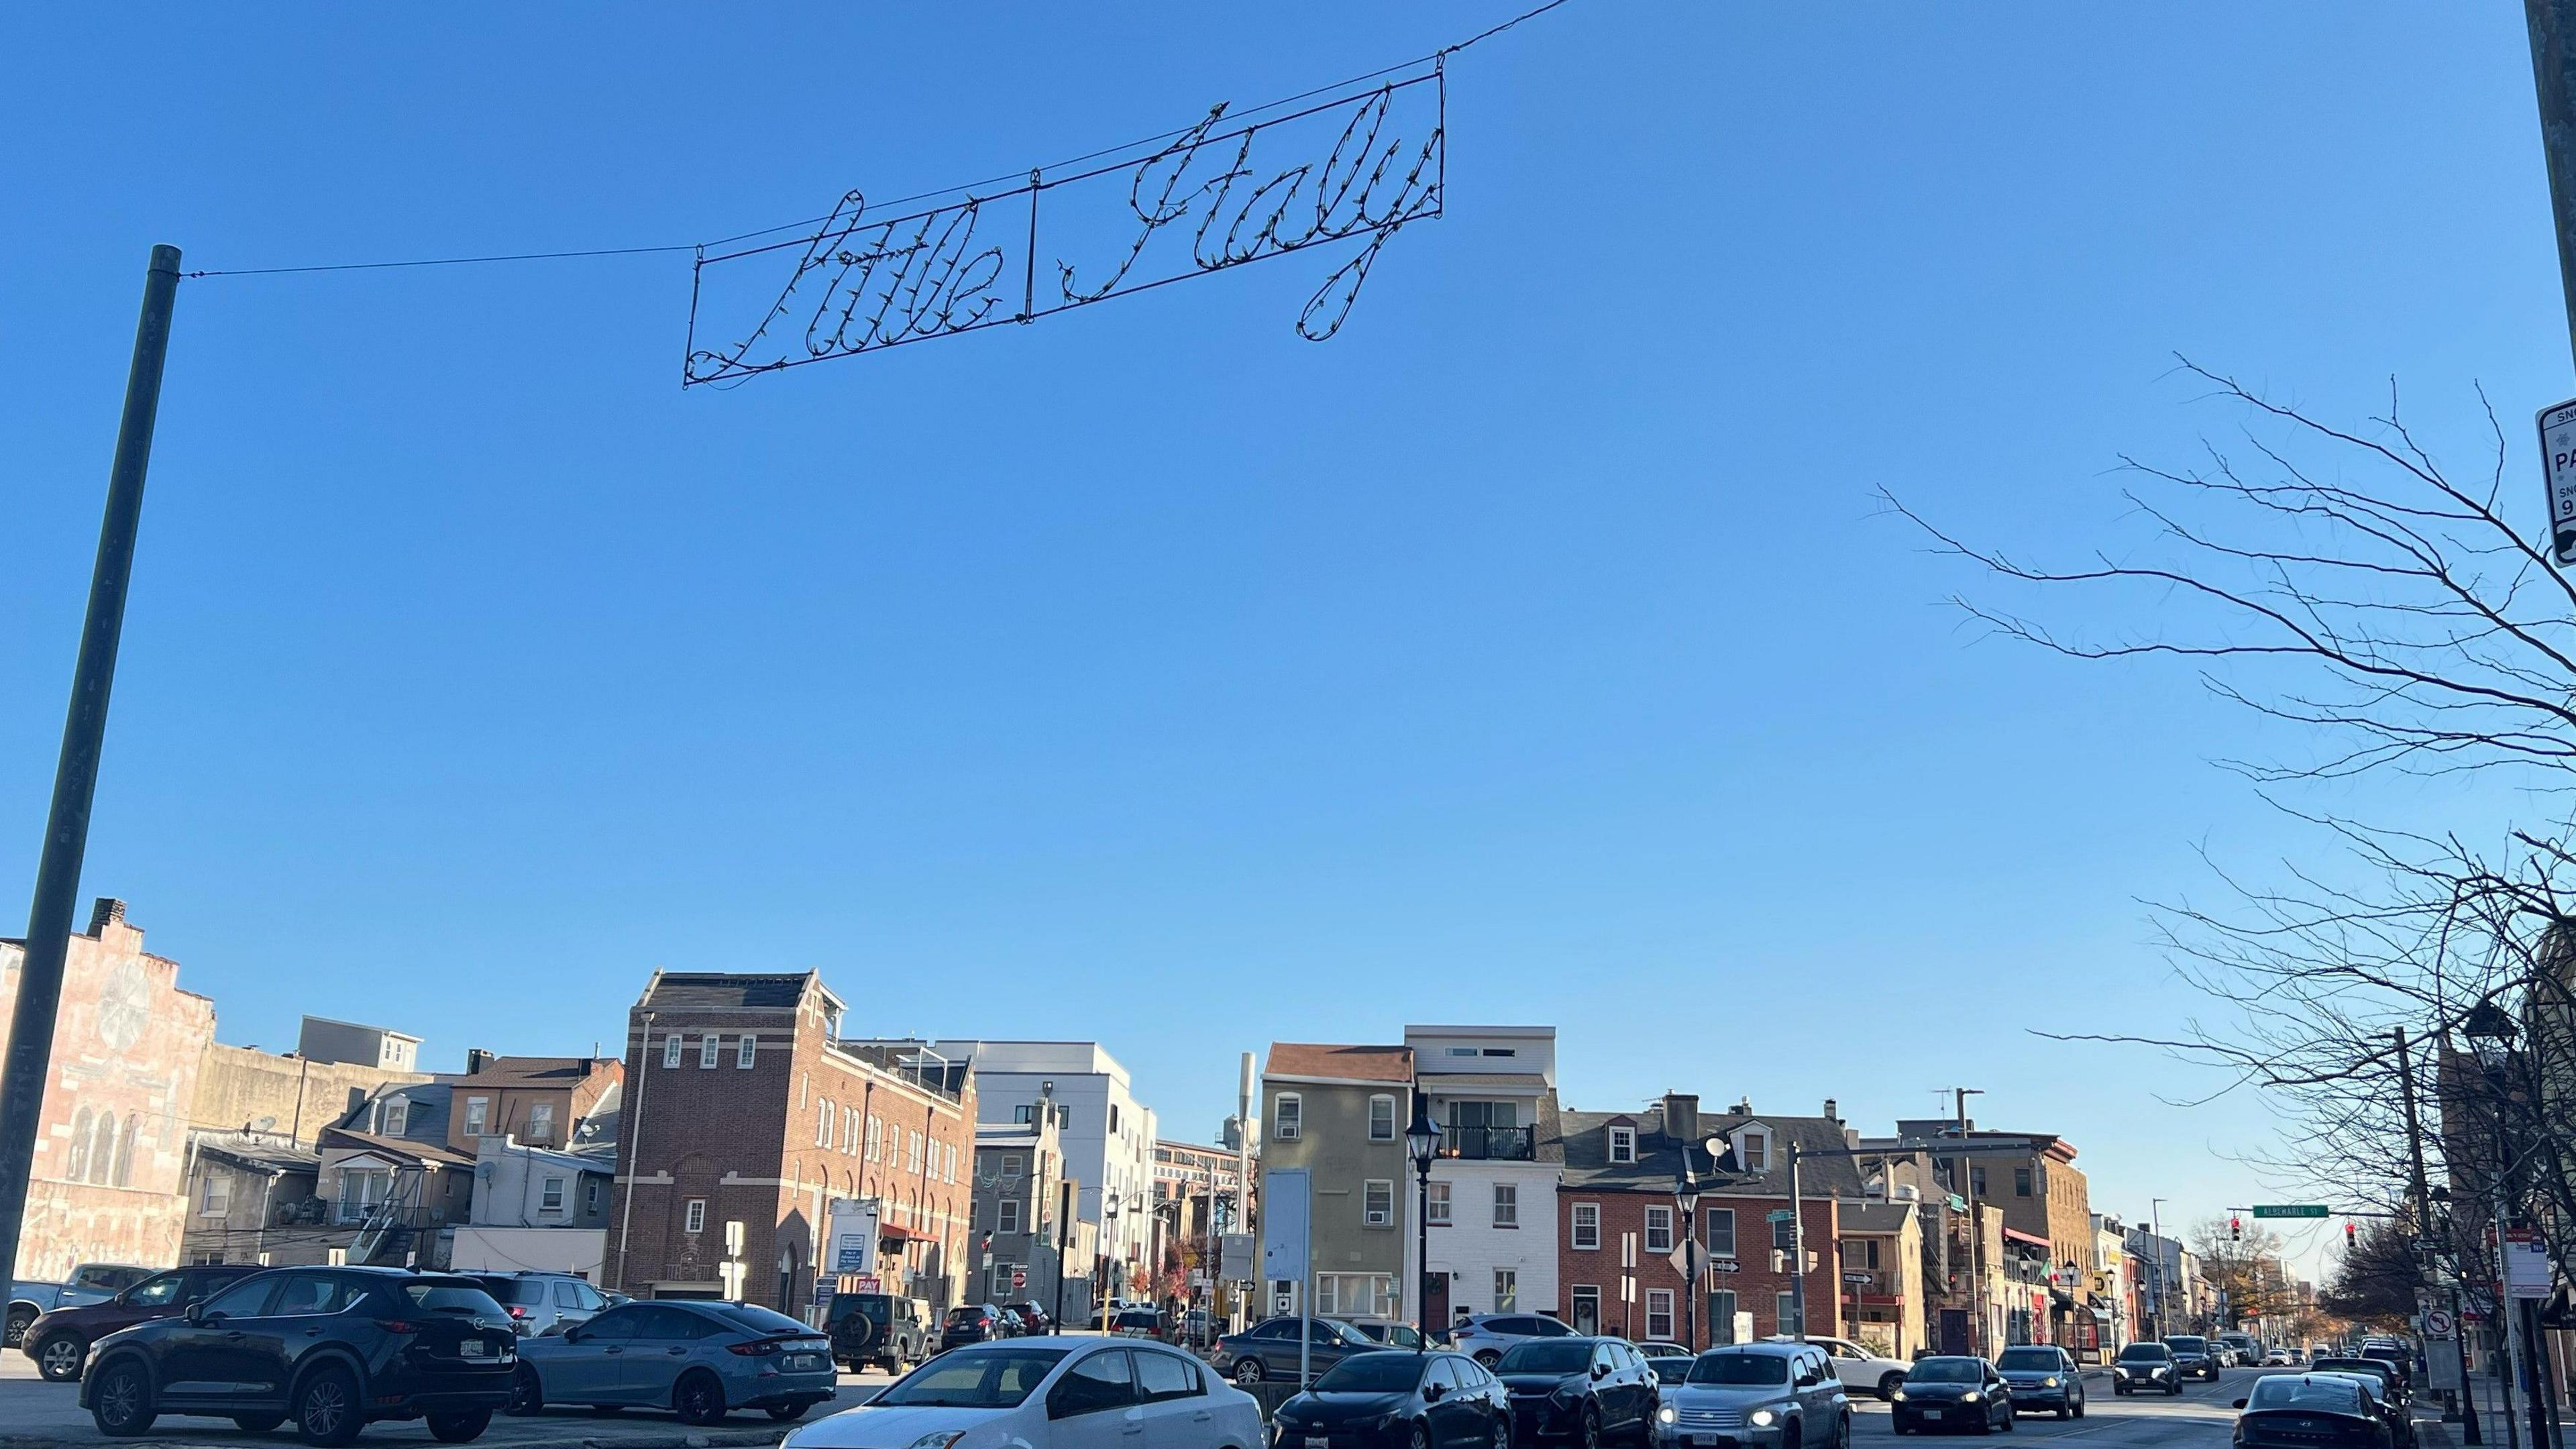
<point x="2558" y="468"/>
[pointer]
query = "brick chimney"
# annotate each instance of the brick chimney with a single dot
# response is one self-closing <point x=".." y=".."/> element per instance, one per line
<point x="1681" y="1115"/>
<point x="1830" y="1114"/>
<point x="105" y="912"/>
<point x="476" y="1059"/>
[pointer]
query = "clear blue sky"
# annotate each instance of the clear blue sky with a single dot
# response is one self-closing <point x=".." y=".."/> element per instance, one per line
<point x="1533" y="651"/>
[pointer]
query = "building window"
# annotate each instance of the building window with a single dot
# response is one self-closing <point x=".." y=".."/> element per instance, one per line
<point x="550" y="1198"/>
<point x="710" y="1047"/>
<point x="1012" y="1166"/>
<point x="1437" y="1212"/>
<point x="1721" y="1232"/>
<point x="875" y="1136"/>
<point x="541" y="1122"/>
<point x="1659" y="1313"/>
<point x="1507" y="1205"/>
<point x="590" y="1194"/>
<point x="102" y="1149"/>
<point x="671" y="1050"/>
<point x="76" y="1165"/>
<point x="694" y="1218"/>
<point x="1377" y="1203"/>
<point x="748" y="1055"/>
<point x="2021" y="1182"/>
<point x="912" y="1152"/>
<point x="1290" y="1110"/>
<point x="1753" y="1152"/>
<point x="397" y="1115"/>
<point x="1721" y="1317"/>
<point x="1659" y="1230"/>
<point x="1507" y="1290"/>
<point x="1006" y="1217"/>
<point x="216" y="1198"/>
<point x="1977" y="1179"/>
<point x="1785" y="1308"/>
<point x="1381" y="1119"/>
<point x="823" y="1123"/>
<point x="125" y="1151"/>
<point x="1860" y="1253"/>
<point x="478" y="1111"/>
<point x="1113" y="1119"/>
<point x="1623" y="1144"/>
<point x="1587" y="1225"/>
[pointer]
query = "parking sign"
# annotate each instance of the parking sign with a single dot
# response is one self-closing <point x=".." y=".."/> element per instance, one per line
<point x="2558" y="468"/>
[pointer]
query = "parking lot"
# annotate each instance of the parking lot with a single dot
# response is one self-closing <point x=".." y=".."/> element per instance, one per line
<point x="35" y="1412"/>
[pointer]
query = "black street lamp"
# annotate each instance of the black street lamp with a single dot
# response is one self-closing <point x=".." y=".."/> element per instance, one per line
<point x="1422" y="1145"/>
<point x="2490" y="1031"/>
<point x="1686" y="1198"/>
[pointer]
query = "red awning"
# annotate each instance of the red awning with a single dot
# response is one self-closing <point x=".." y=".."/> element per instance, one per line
<point x="2012" y="1236"/>
<point x="897" y="1233"/>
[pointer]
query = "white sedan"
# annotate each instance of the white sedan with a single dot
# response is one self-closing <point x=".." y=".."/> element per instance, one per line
<point x="1858" y="1368"/>
<point x="1048" y="1393"/>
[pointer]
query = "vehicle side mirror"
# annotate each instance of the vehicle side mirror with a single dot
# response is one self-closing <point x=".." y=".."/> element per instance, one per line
<point x="1431" y="1393"/>
<point x="2240" y="1403"/>
<point x="572" y="1334"/>
<point x="197" y="1312"/>
<point x="1601" y="1370"/>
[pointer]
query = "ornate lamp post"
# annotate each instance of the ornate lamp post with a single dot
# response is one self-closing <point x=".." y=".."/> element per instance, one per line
<point x="1422" y="1145"/>
<point x="1686" y="1198"/>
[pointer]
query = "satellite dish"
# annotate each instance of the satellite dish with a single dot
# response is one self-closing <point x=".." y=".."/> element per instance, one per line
<point x="265" y="1124"/>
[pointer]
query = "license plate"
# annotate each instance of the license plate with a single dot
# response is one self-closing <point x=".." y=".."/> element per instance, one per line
<point x="1931" y="1413"/>
<point x="797" y="1362"/>
<point x="1704" y="1441"/>
<point x="1319" y="1441"/>
<point x="471" y="1348"/>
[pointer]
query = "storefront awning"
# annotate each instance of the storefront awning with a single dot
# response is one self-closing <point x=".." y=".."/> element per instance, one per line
<point x="898" y="1234"/>
<point x="2012" y="1235"/>
<point x="2064" y="1300"/>
<point x="2100" y="1313"/>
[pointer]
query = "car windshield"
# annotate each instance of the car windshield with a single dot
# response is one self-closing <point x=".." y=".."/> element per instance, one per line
<point x="2187" y="1344"/>
<point x="1740" y="1368"/>
<point x="1946" y="1371"/>
<point x="450" y="1295"/>
<point x="987" y="1379"/>
<point x="2145" y="1353"/>
<point x="752" y="1318"/>
<point x="965" y="1313"/>
<point x="870" y="1306"/>
<point x="1669" y="1369"/>
<point x="1557" y="1357"/>
<point x="2281" y="1391"/>
<point x="2028" y="1358"/>
<point x="1373" y="1373"/>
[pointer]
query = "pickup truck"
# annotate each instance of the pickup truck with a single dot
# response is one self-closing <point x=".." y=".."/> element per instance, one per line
<point x="89" y="1283"/>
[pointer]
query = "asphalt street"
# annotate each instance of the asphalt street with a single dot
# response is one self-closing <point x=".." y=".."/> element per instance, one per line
<point x="2203" y="1417"/>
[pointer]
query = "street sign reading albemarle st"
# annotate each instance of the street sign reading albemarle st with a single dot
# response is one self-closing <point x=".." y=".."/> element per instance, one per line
<point x="2558" y="471"/>
<point x="2291" y="1210"/>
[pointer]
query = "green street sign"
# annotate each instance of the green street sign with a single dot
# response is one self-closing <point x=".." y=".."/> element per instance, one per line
<point x="2290" y="1210"/>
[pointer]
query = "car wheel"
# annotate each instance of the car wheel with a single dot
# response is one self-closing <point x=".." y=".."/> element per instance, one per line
<point x="1248" y="1371"/>
<point x="2079" y="1406"/>
<point x="1843" y="1438"/>
<point x="2012" y="1417"/>
<point x="58" y="1358"/>
<point x="698" y="1398"/>
<point x="1420" y="1438"/>
<point x="327" y="1411"/>
<point x="1889" y="1384"/>
<point x="120" y="1403"/>
<point x="785" y="1412"/>
<point x="15" y="1332"/>
<point x="1588" y="1435"/>
<point x="527" y="1393"/>
<point x="2066" y="1410"/>
<point x="2173" y="1390"/>
<point x="257" y="1423"/>
<point x="461" y="1427"/>
<point x="1503" y="1428"/>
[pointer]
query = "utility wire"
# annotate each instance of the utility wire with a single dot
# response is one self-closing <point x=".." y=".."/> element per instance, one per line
<point x="1020" y="176"/>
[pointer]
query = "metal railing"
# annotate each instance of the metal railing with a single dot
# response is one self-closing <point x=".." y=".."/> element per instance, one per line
<point x="1490" y="1144"/>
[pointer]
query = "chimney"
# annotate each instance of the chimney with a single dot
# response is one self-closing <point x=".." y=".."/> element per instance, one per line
<point x="1681" y="1115"/>
<point x="1743" y="1107"/>
<point x="105" y="912"/>
<point x="1830" y="1114"/>
<point x="476" y="1059"/>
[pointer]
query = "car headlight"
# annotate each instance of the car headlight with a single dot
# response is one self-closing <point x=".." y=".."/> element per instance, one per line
<point x="1762" y="1419"/>
<point x="1900" y="1393"/>
<point x="1667" y="1415"/>
<point x="2048" y="1383"/>
<point x="1970" y="1397"/>
<point x="938" y="1439"/>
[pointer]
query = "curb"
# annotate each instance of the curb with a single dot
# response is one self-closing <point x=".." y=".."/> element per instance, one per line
<point x="733" y="1440"/>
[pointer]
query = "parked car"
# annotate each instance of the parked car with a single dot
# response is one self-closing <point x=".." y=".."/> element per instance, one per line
<point x="2043" y="1376"/>
<point x="2192" y="1358"/>
<point x="1756" y="1396"/>
<point x="699" y="1359"/>
<point x="1028" y="1316"/>
<point x="1137" y="1323"/>
<point x="2308" y="1411"/>
<point x="2399" y="1358"/>
<point x="2385" y="1401"/>
<point x="1049" y="1393"/>
<point x="878" y="1328"/>
<point x="1387" y="1331"/>
<point x="974" y="1323"/>
<point x="89" y="1283"/>
<point x="1952" y="1391"/>
<point x="2377" y="1368"/>
<point x="59" y="1340"/>
<point x="2145" y="1367"/>
<point x="333" y="1349"/>
<point x="1402" y="1399"/>
<point x="1857" y="1366"/>
<point x="1485" y="1337"/>
<point x="1580" y="1389"/>
<point x="1268" y="1350"/>
<point x="1670" y="1361"/>
<point x="542" y="1303"/>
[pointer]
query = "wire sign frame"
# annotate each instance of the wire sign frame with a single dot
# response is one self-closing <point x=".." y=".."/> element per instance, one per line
<point x="1214" y="196"/>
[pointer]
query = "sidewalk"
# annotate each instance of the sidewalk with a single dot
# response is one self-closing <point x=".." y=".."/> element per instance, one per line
<point x="2488" y="1395"/>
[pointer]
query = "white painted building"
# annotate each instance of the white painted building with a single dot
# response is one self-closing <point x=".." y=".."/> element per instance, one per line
<point x="1106" y="1134"/>
<point x="1492" y="1218"/>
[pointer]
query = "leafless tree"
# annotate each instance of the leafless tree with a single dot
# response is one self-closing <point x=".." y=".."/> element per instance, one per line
<point x="2344" y="583"/>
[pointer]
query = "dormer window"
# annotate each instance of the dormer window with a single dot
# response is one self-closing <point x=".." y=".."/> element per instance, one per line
<point x="1623" y="1144"/>
<point x="1753" y="1150"/>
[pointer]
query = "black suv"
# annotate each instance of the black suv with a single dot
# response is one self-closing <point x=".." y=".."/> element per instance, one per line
<point x="330" y="1348"/>
<point x="2192" y="1356"/>
<point x="1584" y="1389"/>
<point x="878" y="1328"/>
<point x="975" y="1323"/>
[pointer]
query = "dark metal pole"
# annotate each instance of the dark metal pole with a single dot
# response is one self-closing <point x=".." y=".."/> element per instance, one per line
<point x="58" y="869"/>
<point x="2552" y="24"/>
<point x="1422" y="1260"/>
<point x="2421" y="1190"/>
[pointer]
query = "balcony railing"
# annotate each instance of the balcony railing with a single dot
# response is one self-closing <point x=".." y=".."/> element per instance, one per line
<point x="1490" y="1144"/>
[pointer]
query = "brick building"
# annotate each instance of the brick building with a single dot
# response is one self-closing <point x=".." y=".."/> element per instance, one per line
<point x="2047" y="1209"/>
<point x="1620" y="1169"/>
<point x="112" y="1138"/>
<point x="539" y="1101"/>
<point x="743" y="1104"/>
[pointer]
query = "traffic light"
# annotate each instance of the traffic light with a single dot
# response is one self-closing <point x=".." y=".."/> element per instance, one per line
<point x="2235" y="1230"/>
<point x="2351" y="1236"/>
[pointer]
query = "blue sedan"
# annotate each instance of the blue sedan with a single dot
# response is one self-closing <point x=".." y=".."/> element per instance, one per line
<point x="700" y="1360"/>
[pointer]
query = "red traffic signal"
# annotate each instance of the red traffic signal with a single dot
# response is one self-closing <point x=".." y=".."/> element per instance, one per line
<point x="2235" y="1230"/>
<point x="2351" y="1234"/>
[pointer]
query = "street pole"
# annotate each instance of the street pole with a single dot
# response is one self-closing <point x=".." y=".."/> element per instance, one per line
<point x="627" y="1159"/>
<point x="1797" y="1247"/>
<point x="58" y="868"/>
<point x="1976" y="1229"/>
<point x="2552" y="24"/>
<point x="2463" y="1411"/>
<point x="2156" y="1235"/>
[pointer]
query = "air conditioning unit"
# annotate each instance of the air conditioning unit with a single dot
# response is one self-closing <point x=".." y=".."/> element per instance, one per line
<point x="1908" y="1192"/>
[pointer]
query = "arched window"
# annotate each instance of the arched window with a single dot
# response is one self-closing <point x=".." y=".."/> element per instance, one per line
<point x="125" y="1153"/>
<point x="102" y="1149"/>
<point x="77" y="1167"/>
